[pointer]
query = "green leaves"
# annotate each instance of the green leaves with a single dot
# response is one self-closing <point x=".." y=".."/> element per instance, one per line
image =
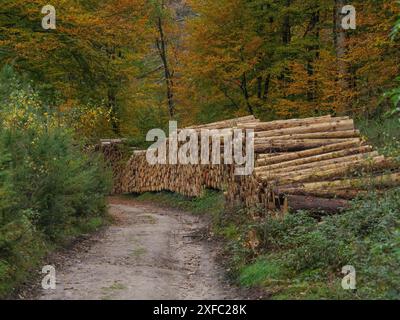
<point x="303" y="250"/>
<point x="49" y="187"/>
<point x="396" y="29"/>
<point x="394" y="94"/>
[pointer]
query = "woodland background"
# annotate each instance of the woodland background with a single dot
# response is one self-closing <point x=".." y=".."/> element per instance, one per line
<point x="126" y="66"/>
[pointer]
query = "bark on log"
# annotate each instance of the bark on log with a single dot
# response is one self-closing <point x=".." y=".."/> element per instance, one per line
<point x="316" y="164"/>
<point x="307" y="153"/>
<point x="332" y="171"/>
<point x="314" y="204"/>
<point x="346" y="194"/>
<point x="282" y="124"/>
<point x="316" y="135"/>
<point x="298" y="160"/>
<point x="386" y="180"/>
<point x="335" y="125"/>
<point x="289" y="145"/>
<point x="226" y="123"/>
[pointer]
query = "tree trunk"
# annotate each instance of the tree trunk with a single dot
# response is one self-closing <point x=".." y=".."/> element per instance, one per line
<point x="339" y="38"/>
<point x="312" y="84"/>
<point x="296" y="157"/>
<point x="259" y="87"/>
<point x="286" y="39"/>
<point x="246" y="94"/>
<point x="266" y="87"/>
<point x="112" y="105"/>
<point x="287" y="29"/>
<point x="162" y="49"/>
<point x="314" y="204"/>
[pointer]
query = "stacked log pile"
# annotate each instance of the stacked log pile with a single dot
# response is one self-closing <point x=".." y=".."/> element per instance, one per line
<point x="116" y="156"/>
<point x="318" y="163"/>
<point x="314" y="163"/>
<point x="139" y="176"/>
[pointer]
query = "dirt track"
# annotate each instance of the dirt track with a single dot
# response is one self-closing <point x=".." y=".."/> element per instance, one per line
<point x="148" y="253"/>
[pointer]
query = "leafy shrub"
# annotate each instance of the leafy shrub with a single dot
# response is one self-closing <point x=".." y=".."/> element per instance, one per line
<point x="383" y="133"/>
<point x="53" y="177"/>
<point x="50" y="190"/>
<point x="313" y="252"/>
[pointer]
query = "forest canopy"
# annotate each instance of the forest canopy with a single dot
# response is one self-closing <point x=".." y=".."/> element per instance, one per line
<point x="137" y="63"/>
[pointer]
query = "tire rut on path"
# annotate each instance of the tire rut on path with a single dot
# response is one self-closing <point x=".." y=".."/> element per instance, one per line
<point x="148" y="253"/>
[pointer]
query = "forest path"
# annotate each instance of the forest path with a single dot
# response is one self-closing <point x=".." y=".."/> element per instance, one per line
<point x="148" y="253"/>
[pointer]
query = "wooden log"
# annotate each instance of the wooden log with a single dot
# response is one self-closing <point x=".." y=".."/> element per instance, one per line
<point x="332" y="171"/>
<point x="298" y="160"/>
<point x="314" y="204"/>
<point x="298" y="144"/>
<point x="282" y="143"/>
<point x="285" y="157"/>
<point x="261" y="156"/>
<point x="226" y="123"/>
<point x="385" y="180"/>
<point x="335" y="125"/>
<point x="316" y="135"/>
<point x="317" y="162"/>
<point x="346" y="194"/>
<point x="282" y="124"/>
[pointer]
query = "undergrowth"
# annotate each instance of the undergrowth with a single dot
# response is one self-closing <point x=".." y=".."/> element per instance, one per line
<point x="50" y="189"/>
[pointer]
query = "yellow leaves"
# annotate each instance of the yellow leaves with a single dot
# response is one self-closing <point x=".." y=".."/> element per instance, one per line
<point x="221" y="42"/>
<point x="76" y="56"/>
<point x="87" y="120"/>
<point x="253" y="45"/>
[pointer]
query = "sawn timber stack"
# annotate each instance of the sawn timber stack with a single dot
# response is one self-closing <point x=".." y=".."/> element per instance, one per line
<point x="315" y="163"/>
